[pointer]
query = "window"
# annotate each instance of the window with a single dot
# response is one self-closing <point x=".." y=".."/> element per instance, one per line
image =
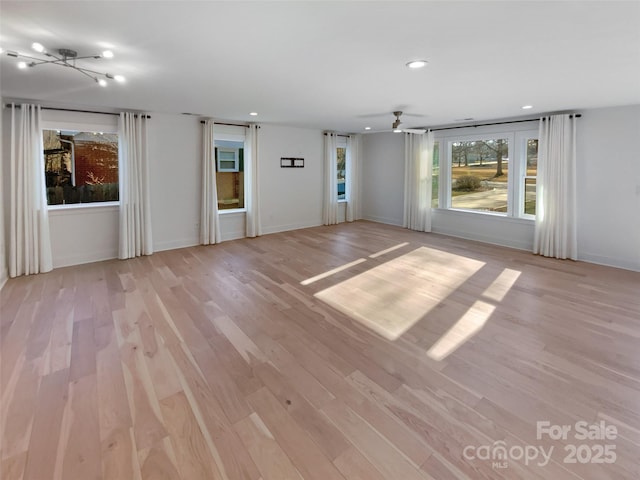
<point x="487" y="173"/>
<point x="341" y="159"/>
<point x="80" y="167"/>
<point x="227" y="159"/>
<point x="479" y="174"/>
<point x="530" y="175"/>
<point x="230" y="173"/>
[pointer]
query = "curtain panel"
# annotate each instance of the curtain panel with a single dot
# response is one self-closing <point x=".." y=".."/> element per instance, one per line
<point x="352" y="188"/>
<point x="418" y="153"/>
<point x="556" y="205"/>
<point x="330" y="203"/>
<point x="209" y="218"/>
<point x="135" y="202"/>
<point x="251" y="170"/>
<point x="29" y="238"/>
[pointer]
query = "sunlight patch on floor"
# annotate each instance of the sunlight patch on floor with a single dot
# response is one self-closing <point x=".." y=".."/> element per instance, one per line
<point x="501" y="285"/>
<point x="466" y="327"/>
<point x="388" y="250"/>
<point x="309" y="281"/>
<point x="392" y="297"/>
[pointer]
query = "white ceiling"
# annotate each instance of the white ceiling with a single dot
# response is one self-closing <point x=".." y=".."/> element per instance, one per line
<point x="332" y="65"/>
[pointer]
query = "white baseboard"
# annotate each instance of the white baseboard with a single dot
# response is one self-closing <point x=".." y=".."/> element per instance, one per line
<point x="609" y="261"/>
<point x="71" y="260"/>
<point x="500" y="241"/>
<point x="175" y="244"/>
<point x="385" y="220"/>
<point x="291" y="226"/>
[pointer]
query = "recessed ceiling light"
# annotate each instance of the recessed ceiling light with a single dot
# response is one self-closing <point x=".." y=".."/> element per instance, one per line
<point x="119" y="78"/>
<point x="527" y="107"/>
<point x="367" y="128"/>
<point x="102" y="82"/>
<point x="37" y="47"/>
<point x="107" y="54"/>
<point x="417" y="64"/>
<point x="254" y="114"/>
<point x="22" y="65"/>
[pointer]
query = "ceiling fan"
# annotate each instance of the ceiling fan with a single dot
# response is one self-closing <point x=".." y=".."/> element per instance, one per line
<point x="396" y="128"/>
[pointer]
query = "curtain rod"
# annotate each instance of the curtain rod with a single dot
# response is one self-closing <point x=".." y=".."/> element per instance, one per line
<point x="228" y="124"/>
<point x="338" y="135"/>
<point x="73" y="110"/>
<point x="577" y="115"/>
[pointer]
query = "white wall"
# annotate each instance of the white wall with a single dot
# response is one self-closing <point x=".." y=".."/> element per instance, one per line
<point x="608" y="191"/>
<point x="609" y="187"/>
<point x="174" y="154"/>
<point x="4" y="273"/>
<point x="382" y="186"/>
<point x="290" y="198"/>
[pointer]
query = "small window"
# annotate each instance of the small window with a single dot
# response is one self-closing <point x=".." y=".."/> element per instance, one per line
<point x="230" y="174"/>
<point x="341" y="159"/>
<point x="80" y="167"/>
<point x="228" y="159"/>
<point x="435" y="176"/>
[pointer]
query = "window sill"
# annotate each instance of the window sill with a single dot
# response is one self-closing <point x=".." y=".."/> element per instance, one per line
<point x="460" y="211"/>
<point x="231" y="211"/>
<point x="342" y="201"/>
<point x="82" y="206"/>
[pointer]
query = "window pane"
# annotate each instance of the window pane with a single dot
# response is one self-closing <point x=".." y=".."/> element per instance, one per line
<point x="230" y="183"/>
<point x="479" y="174"/>
<point x="342" y="169"/>
<point x="532" y="157"/>
<point x="80" y="167"/>
<point x="530" y="196"/>
<point x="435" y="182"/>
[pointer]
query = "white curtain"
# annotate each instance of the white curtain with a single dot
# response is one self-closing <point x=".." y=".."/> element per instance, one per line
<point x="418" y="152"/>
<point x="209" y="219"/>
<point x="135" y="203"/>
<point x="556" y="212"/>
<point x="29" y="242"/>
<point x="251" y="170"/>
<point x="330" y="204"/>
<point x="352" y="188"/>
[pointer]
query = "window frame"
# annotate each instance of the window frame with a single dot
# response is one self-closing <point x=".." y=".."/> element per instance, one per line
<point x="81" y="126"/>
<point x="225" y="136"/>
<point x="341" y="142"/>
<point x="236" y="158"/>
<point x="522" y="137"/>
<point x="517" y="159"/>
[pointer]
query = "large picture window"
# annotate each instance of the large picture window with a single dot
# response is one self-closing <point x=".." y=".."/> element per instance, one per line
<point x="80" y="166"/>
<point x="492" y="173"/>
<point x="479" y="174"/>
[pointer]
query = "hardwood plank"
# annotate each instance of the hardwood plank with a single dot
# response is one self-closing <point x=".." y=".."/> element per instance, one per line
<point x="194" y="460"/>
<point x="269" y="457"/>
<point x="296" y="443"/>
<point x="376" y="449"/>
<point x="80" y="439"/>
<point x="53" y="396"/>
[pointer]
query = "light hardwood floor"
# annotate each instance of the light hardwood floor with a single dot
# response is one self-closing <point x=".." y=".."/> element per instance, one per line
<point x="358" y="351"/>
